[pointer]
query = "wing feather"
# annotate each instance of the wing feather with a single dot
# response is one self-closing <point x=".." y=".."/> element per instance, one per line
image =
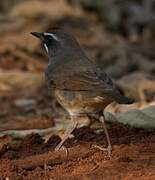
<point x="87" y="81"/>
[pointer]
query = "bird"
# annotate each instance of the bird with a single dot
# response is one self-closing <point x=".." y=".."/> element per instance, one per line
<point x="79" y="84"/>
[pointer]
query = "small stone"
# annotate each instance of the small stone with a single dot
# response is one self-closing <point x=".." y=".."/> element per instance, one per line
<point x="25" y="104"/>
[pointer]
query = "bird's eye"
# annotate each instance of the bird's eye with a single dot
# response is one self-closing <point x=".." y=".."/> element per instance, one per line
<point x="49" y="37"/>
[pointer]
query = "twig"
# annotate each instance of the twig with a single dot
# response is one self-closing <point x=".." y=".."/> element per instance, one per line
<point x="23" y="133"/>
<point x="54" y="157"/>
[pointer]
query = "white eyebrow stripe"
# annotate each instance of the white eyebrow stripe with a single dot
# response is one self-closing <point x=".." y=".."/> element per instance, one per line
<point x="50" y="34"/>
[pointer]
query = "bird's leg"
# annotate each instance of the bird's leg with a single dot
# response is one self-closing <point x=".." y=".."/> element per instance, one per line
<point x="109" y="148"/>
<point x="68" y="133"/>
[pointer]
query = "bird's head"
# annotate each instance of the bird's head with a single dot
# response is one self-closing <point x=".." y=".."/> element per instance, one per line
<point x="58" y="42"/>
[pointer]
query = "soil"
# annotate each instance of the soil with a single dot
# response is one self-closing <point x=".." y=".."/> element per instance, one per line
<point x="132" y="156"/>
<point x="121" y="46"/>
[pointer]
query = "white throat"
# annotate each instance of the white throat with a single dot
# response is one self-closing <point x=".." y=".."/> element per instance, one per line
<point x="46" y="47"/>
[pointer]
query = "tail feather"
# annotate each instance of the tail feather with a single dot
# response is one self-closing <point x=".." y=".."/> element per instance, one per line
<point x="125" y="100"/>
<point x="120" y="99"/>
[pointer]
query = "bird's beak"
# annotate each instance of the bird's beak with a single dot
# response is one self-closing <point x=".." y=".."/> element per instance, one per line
<point x="38" y="35"/>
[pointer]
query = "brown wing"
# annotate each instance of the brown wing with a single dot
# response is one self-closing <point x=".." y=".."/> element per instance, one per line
<point x="87" y="81"/>
<point x="99" y="84"/>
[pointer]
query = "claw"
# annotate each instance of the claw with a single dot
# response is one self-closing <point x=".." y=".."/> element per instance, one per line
<point x="108" y="149"/>
<point x="62" y="148"/>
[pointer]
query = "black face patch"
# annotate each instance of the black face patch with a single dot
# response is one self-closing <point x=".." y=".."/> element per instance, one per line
<point x="52" y="44"/>
<point x="50" y="41"/>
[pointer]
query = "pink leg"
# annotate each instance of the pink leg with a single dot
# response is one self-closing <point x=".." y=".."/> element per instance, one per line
<point x="68" y="133"/>
<point x="109" y="148"/>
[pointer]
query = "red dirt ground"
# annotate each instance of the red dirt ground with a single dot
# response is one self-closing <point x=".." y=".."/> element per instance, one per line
<point x="133" y="157"/>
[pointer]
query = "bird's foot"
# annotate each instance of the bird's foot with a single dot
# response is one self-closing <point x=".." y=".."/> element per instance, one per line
<point x="58" y="148"/>
<point x="108" y="149"/>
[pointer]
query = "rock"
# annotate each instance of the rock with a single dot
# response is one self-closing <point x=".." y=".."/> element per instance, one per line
<point x="136" y="84"/>
<point x="55" y="9"/>
<point x="17" y="83"/>
<point x="25" y="104"/>
<point x="137" y="118"/>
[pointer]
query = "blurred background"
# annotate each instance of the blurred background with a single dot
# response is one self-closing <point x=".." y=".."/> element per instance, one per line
<point x="118" y="34"/>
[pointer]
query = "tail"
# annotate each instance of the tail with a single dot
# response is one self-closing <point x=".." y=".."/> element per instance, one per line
<point x="125" y="100"/>
<point x="120" y="99"/>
